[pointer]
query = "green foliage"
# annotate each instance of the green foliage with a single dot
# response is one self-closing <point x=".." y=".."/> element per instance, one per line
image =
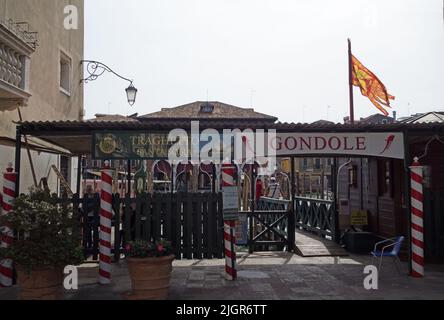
<point x="46" y="232"/>
<point x="145" y="249"/>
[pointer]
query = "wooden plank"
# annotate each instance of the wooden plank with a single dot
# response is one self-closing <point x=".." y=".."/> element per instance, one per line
<point x="138" y="216"/>
<point x="205" y="226"/>
<point x="436" y="229"/>
<point x="429" y="212"/>
<point x="178" y="246"/>
<point x="219" y="226"/>
<point x="167" y="222"/>
<point x="310" y="245"/>
<point x="147" y="208"/>
<point x="212" y="226"/>
<point x="439" y="227"/>
<point x="198" y="226"/>
<point x="117" y="235"/>
<point x="157" y="212"/>
<point x="95" y="226"/>
<point x="188" y="223"/>
<point x="193" y="225"/>
<point x="127" y="220"/>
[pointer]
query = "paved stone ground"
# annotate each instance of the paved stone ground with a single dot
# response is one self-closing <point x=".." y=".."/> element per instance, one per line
<point x="270" y="276"/>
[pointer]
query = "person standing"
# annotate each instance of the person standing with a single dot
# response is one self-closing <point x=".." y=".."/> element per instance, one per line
<point x="259" y="190"/>
<point x="89" y="209"/>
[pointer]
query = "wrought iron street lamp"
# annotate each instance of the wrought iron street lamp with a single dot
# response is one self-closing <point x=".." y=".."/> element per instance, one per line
<point x="95" y="69"/>
<point x="131" y="93"/>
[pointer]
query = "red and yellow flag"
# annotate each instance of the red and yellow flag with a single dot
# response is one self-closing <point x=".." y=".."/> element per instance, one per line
<point x="371" y="87"/>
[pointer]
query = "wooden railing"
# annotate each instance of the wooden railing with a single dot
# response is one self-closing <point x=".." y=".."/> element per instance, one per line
<point x="317" y="216"/>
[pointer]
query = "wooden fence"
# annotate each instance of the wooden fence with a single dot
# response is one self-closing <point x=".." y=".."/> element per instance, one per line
<point x="193" y="222"/>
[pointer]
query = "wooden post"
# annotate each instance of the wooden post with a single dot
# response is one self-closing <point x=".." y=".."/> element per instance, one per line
<point x="334" y="188"/>
<point x="252" y="192"/>
<point x="292" y="214"/>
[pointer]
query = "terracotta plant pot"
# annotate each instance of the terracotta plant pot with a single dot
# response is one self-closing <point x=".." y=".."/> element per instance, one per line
<point x="150" y="277"/>
<point x="43" y="283"/>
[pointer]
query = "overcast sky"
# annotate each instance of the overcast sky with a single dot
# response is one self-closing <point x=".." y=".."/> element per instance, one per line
<point x="287" y="58"/>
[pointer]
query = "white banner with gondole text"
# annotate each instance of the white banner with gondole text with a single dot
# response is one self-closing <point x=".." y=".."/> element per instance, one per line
<point x="377" y="144"/>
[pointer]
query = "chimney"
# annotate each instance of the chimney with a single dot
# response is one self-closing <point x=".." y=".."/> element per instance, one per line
<point x="394" y="115"/>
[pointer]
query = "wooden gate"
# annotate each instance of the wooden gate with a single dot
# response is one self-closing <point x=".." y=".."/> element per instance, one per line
<point x="193" y="222"/>
<point x="269" y="225"/>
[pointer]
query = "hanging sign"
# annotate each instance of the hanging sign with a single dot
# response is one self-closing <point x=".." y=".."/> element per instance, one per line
<point x="149" y="145"/>
<point x="378" y="144"/>
<point x="359" y="218"/>
<point x="130" y="145"/>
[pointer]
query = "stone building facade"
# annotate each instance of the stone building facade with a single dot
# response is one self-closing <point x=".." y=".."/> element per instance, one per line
<point x="40" y="76"/>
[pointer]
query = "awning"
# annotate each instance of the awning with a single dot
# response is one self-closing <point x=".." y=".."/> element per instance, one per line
<point x="76" y="136"/>
<point x="36" y="144"/>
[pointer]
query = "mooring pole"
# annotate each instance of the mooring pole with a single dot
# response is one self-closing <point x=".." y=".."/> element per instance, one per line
<point x="417" y="218"/>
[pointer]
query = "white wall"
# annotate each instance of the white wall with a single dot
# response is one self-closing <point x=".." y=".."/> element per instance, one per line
<point x="42" y="164"/>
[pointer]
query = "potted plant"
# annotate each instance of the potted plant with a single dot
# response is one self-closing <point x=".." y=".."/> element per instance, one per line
<point x="149" y="266"/>
<point x="47" y="238"/>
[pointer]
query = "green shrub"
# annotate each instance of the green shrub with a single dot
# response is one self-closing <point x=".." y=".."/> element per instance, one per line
<point x="47" y="233"/>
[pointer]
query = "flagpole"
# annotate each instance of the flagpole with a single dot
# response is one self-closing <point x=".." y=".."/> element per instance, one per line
<point x="350" y="82"/>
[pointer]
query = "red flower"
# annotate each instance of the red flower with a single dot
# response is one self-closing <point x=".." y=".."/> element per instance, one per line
<point x="160" y="248"/>
<point x="128" y="247"/>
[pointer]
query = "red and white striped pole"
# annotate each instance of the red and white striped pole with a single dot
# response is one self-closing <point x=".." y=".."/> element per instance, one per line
<point x="417" y="220"/>
<point x="7" y="234"/>
<point x="229" y="227"/>
<point x="105" y="225"/>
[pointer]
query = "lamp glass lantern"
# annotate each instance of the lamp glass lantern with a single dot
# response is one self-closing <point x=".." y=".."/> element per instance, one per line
<point x="131" y="93"/>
